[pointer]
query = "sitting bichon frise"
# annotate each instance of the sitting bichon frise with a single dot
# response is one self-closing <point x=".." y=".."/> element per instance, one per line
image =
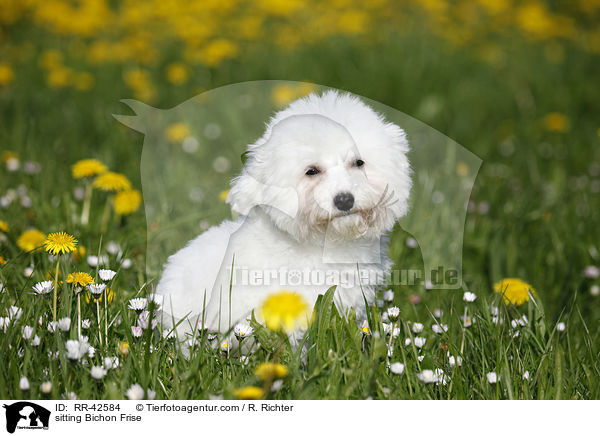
<point x="317" y="195"/>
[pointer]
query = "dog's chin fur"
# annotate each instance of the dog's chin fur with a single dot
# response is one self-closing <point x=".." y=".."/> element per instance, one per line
<point x="292" y="219"/>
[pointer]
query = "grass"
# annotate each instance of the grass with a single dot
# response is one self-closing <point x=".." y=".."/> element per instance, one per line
<point x="535" y="217"/>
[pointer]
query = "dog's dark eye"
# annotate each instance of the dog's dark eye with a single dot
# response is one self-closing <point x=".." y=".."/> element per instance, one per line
<point x="312" y="171"/>
<point x="358" y="163"/>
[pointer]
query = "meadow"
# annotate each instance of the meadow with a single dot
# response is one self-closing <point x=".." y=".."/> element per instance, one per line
<point x="513" y="83"/>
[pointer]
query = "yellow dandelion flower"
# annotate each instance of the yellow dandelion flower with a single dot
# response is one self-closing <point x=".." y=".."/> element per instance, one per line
<point x="284" y="309"/>
<point x="249" y="393"/>
<point x="216" y="51"/>
<point x="79" y="253"/>
<point x="80" y="279"/>
<point x="223" y="195"/>
<point x="51" y="58"/>
<point x="88" y="168"/>
<point x="59" y="77"/>
<point x="123" y="348"/>
<point x="4" y="227"/>
<point x="59" y="243"/>
<point x="177" y="132"/>
<point x="514" y="291"/>
<point x="2" y="260"/>
<point x="177" y="73"/>
<point x="283" y="94"/>
<point x="462" y="169"/>
<point x="109" y="292"/>
<point x="30" y="240"/>
<point x="271" y="371"/>
<point x="556" y="122"/>
<point x="127" y="202"/>
<point x="7" y="74"/>
<point x="84" y="81"/>
<point x="9" y="155"/>
<point x="111" y="181"/>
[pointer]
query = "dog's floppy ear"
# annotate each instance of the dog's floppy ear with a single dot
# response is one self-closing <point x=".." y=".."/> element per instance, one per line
<point x="247" y="192"/>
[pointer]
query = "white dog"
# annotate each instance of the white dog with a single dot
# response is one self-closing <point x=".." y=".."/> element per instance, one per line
<point x="318" y="193"/>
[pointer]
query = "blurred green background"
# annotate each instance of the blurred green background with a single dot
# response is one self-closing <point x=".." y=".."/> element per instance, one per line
<point x="515" y="82"/>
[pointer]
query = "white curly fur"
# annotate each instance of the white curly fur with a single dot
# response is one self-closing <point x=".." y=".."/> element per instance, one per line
<point x="288" y="219"/>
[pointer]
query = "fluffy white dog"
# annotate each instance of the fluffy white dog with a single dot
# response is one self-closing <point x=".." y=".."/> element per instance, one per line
<point x="318" y="193"/>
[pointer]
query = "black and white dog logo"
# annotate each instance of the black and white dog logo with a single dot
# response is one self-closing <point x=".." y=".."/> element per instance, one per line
<point x="26" y="415"/>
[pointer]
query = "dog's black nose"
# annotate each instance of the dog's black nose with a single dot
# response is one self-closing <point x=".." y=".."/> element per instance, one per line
<point x="344" y="201"/>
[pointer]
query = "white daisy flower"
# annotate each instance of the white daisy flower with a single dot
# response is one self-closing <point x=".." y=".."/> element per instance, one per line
<point x="135" y="392"/>
<point x="520" y="322"/>
<point x="419" y="341"/>
<point x="455" y="361"/>
<point x="277" y="384"/>
<point x="136" y="331"/>
<point x="96" y="288"/>
<point x="97" y="372"/>
<point x="438" y="313"/>
<point x="138" y="303"/>
<point x="91" y="351"/>
<point x="387" y="328"/>
<point x="156" y="299"/>
<point x="595" y="290"/>
<point x="150" y="394"/>
<point x="417" y="327"/>
<point x="76" y="349"/>
<point x="126" y="264"/>
<point x="469" y="297"/>
<point x="46" y="387"/>
<point x="591" y="272"/>
<point x="467" y="321"/>
<point x="4" y="322"/>
<point x="85" y="323"/>
<point x="94" y="261"/>
<point x="106" y="274"/>
<point x="393" y="313"/>
<point x="35" y="341"/>
<point x="492" y="377"/>
<point x="526" y="375"/>
<point x="14" y="312"/>
<point x="144" y="320"/>
<point x="365" y="328"/>
<point x="112" y="247"/>
<point x="561" y="327"/>
<point x="225" y="346"/>
<point x="28" y="272"/>
<point x="420" y="358"/>
<point x="388" y="295"/>
<point x="439" y="328"/>
<point x="426" y="376"/>
<point x="407" y="342"/>
<point x="439" y="377"/>
<point x="242" y="330"/>
<point x="411" y="242"/>
<point x="396" y="368"/>
<point x="27" y="332"/>
<point x="495" y="311"/>
<point x="111" y="362"/>
<point x="24" y="384"/>
<point x="64" y="324"/>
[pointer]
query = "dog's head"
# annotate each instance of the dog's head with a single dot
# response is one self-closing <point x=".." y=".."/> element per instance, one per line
<point x="327" y="165"/>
